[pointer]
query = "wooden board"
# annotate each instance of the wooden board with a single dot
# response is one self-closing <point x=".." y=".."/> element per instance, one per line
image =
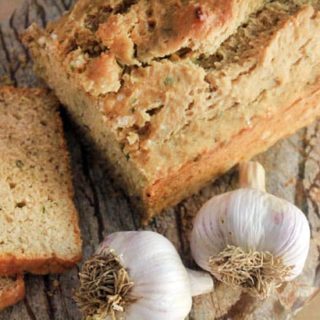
<point x="293" y="167"/>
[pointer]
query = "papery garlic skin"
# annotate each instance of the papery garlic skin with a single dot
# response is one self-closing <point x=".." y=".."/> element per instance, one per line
<point x="161" y="283"/>
<point x="253" y="220"/>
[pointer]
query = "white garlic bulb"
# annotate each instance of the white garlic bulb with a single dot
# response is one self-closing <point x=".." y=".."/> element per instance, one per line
<point x="250" y="238"/>
<point x="138" y="275"/>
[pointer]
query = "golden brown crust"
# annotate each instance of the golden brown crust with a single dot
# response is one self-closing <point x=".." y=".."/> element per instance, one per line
<point x="167" y="191"/>
<point x="13" y="293"/>
<point x="139" y="31"/>
<point x="10" y="265"/>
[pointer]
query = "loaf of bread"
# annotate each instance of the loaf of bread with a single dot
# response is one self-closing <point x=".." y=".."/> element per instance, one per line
<point x="39" y="230"/>
<point x="12" y="290"/>
<point x="174" y="93"/>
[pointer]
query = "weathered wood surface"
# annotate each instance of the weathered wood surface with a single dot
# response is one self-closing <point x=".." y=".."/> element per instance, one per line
<point x="293" y="167"/>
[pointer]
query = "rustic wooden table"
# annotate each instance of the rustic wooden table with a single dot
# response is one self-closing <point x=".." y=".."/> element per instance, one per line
<point x="293" y="167"/>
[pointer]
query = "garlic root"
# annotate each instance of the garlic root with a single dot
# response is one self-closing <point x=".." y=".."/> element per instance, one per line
<point x="258" y="272"/>
<point x="252" y="175"/>
<point x="201" y="282"/>
<point x="104" y="285"/>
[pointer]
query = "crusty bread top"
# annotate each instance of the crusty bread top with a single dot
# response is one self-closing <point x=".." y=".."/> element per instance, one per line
<point x="136" y="31"/>
<point x="12" y="290"/>
<point x="38" y="220"/>
<point x="99" y="40"/>
<point x="172" y="111"/>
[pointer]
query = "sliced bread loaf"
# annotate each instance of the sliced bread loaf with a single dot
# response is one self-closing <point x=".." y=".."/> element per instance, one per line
<point x="12" y="290"/>
<point x="39" y="229"/>
<point x="170" y="125"/>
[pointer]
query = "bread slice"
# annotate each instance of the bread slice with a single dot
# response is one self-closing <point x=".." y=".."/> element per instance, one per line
<point x="12" y="290"/>
<point x="39" y="229"/>
<point x="170" y="125"/>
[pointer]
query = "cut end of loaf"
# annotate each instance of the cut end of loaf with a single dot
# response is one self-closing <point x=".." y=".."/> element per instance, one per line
<point x="256" y="272"/>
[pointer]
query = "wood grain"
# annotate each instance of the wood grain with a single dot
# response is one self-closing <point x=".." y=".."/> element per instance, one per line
<point x="293" y="167"/>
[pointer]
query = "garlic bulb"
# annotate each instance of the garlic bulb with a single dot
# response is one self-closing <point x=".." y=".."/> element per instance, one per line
<point x="138" y="275"/>
<point x="249" y="238"/>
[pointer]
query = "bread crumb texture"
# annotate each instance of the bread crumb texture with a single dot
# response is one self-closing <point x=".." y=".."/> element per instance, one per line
<point x="38" y="221"/>
<point x="172" y="81"/>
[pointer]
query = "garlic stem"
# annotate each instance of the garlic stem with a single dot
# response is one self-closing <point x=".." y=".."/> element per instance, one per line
<point x="201" y="282"/>
<point x="252" y="175"/>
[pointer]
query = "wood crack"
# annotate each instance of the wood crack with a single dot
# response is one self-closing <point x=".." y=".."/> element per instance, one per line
<point x="181" y="233"/>
<point x="26" y="16"/>
<point x="7" y="57"/>
<point x="50" y="309"/>
<point x="30" y="312"/>
<point x="65" y="307"/>
<point x="67" y="4"/>
<point x="16" y="34"/>
<point x="300" y="191"/>
<point x="58" y="6"/>
<point x="40" y="12"/>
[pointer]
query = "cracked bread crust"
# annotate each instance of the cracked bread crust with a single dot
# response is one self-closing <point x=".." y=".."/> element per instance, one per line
<point x="169" y="114"/>
<point x="38" y="222"/>
<point x="139" y="31"/>
<point x="12" y="290"/>
<point x="117" y="35"/>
